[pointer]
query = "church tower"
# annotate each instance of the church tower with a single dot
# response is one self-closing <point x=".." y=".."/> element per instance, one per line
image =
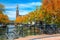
<point x="17" y="11"/>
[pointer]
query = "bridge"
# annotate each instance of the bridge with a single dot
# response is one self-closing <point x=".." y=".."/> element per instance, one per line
<point x="28" y="29"/>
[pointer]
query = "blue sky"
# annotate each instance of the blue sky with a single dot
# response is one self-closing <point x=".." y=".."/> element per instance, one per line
<point x="25" y="6"/>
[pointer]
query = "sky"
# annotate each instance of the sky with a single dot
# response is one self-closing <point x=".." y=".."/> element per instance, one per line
<point x="25" y="6"/>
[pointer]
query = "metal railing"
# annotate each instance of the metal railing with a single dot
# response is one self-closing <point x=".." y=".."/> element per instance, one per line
<point x="25" y="30"/>
<point x="2" y="33"/>
<point x="36" y="30"/>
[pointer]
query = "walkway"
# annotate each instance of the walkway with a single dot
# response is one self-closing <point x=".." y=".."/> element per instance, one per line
<point x="41" y="37"/>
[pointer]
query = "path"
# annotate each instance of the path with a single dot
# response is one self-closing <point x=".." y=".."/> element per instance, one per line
<point x="41" y="37"/>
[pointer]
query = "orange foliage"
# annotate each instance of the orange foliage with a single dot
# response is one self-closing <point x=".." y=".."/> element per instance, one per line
<point x="51" y="4"/>
<point x="52" y="8"/>
<point x="49" y="7"/>
<point x="21" y="19"/>
<point x="4" y="18"/>
<point x="41" y="16"/>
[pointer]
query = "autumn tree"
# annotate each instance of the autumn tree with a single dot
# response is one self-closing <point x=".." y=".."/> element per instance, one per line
<point x="3" y="18"/>
<point x="51" y="7"/>
<point x="49" y="12"/>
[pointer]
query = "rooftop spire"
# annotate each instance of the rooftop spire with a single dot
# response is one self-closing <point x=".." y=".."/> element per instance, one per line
<point x="17" y="11"/>
<point x="17" y="6"/>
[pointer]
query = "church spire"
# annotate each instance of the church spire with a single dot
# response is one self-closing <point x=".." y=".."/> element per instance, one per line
<point x="17" y="11"/>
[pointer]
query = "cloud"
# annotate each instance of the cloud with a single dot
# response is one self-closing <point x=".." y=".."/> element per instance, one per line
<point x="32" y="4"/>
<point x="24" y="12"/>
<point x="11" y="14"/>
<point x="26" y="6"/>
<point x="23" y="9"/>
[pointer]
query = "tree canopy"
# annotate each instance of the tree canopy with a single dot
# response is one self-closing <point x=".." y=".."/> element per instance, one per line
<point x="49" y="12"/>
<point x="3" y="18"/>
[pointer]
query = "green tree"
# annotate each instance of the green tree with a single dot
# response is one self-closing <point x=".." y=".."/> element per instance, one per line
<point x="2" y="8"/>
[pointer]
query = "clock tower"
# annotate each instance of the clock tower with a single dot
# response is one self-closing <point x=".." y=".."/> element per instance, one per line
<point x="17" y="11"/>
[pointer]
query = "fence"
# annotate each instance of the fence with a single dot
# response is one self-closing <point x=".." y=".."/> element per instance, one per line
<point x="2" y="33"/>
<point x="8" y="33"/>
<point x="24" y="30"/>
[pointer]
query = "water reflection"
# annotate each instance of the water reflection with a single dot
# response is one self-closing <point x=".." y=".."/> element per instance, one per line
<point x="11" y="32"/>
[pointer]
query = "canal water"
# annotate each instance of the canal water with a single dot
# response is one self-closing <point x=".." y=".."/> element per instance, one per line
<point x="11" y="32"/>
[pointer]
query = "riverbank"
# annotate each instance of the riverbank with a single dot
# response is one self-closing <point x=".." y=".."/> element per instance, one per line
<point x="42" y="37"/>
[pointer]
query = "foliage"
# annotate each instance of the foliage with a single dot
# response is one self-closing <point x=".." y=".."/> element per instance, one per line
<point x="52" y="10"/>
<point x="49" y="12"/>
<point x="3" y="18"/>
